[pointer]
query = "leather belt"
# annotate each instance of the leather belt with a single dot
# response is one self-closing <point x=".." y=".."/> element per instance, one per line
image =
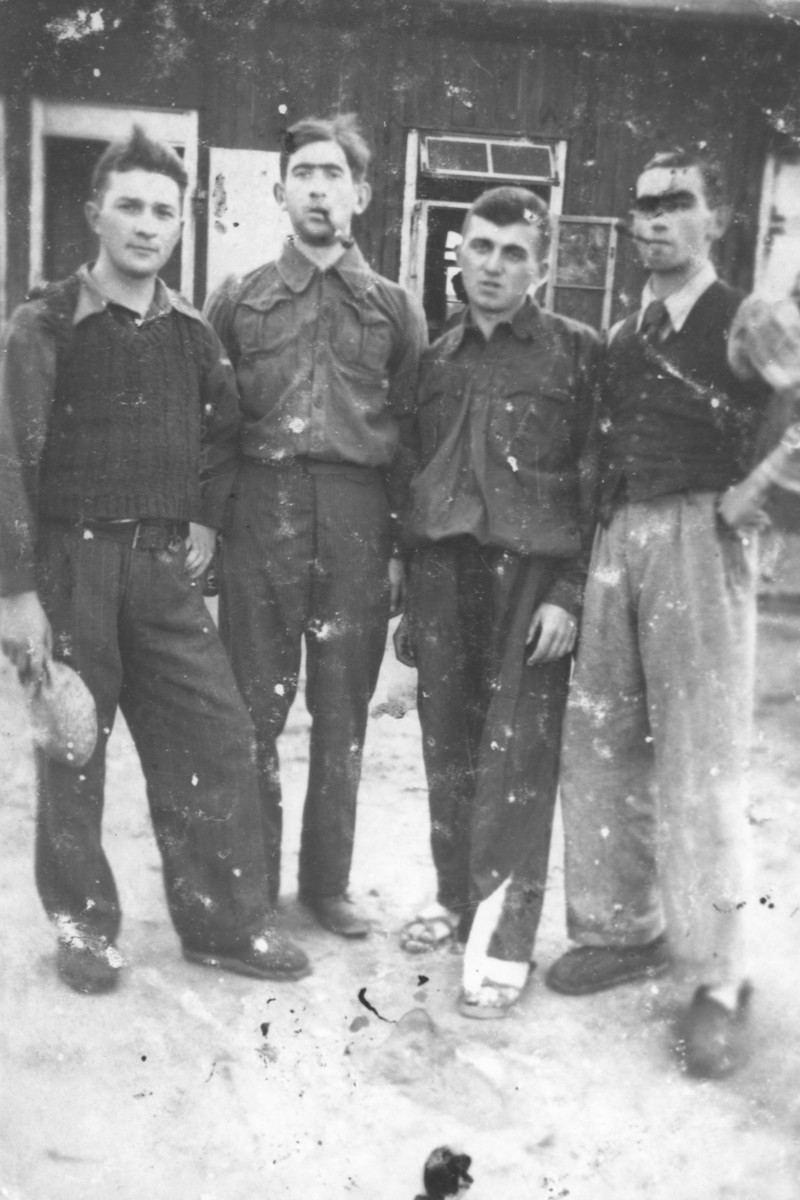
<point x="152" y="533"/>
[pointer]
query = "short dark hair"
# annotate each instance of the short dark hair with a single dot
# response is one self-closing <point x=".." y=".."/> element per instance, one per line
<point x="512" y="206"/>
<point x="137" y="152"/>
<point x="714" y="182"/>
<point x="343" y="128"/>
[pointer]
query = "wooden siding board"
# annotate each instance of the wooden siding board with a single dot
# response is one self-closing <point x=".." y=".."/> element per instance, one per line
<point x="614" y="91"/>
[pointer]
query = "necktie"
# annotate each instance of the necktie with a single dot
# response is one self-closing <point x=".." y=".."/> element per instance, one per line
<point x="655" y="322"/>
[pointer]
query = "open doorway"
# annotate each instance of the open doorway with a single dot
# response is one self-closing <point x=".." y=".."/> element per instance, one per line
<point x="778" y="254"/>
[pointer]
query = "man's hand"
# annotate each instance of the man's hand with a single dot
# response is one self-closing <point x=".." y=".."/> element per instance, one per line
<point x="402" y="644"/>
<point x="25" y="635"/>
<point x="740" y="507"/>
<point x="556" y="631"/>
<point x="200" y="546"/>
<point x="397" y="586"/>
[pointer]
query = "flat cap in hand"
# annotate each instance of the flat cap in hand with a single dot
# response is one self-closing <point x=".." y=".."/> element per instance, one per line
<point x="63" y="715"/>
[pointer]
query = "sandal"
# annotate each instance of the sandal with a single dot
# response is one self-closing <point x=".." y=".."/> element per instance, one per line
<point x="430" y="932"/>
<point x="488" y="1002"/>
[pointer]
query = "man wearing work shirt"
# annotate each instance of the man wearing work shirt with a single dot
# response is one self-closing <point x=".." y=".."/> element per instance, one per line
<point x="657" y="733"/>
<point x="326" y="354"/>
<point x="496" y="521"/>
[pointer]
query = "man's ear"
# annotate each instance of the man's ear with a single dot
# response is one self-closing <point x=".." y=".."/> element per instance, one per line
<point x="540" y="279"/>
<point x="279" y="192"/>
<point x="363" y="197"/>
<point x="92" y="211"/>
<point x="721" y="219"/>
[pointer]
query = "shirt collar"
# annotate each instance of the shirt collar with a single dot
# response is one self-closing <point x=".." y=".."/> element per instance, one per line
<point x="522" y="324"/>
<point x="680" y="303"/>
<point x="91" y="299"/>
<point x="297" y="270"/>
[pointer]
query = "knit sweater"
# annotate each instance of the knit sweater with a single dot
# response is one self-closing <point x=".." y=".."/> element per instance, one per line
<point x="673" y="416"/>
<point x="123" y="439"/>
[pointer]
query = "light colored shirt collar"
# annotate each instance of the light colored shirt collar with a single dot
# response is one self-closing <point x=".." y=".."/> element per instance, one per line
<point x="92" y="300"/>
<point x="680" y="303"/>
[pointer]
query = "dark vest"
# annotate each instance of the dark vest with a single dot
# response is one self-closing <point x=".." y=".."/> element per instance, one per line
<point x="123" y="436"/>
<point x="673" y="415"/>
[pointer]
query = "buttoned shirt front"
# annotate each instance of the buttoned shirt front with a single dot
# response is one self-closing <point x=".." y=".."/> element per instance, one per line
<point x="326" y="360"/>
<point x="503" y="425"/>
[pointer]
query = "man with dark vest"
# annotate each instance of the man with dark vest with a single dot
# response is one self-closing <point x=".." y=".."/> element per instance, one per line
<point x="657" y="735"/>
<point x="325" y="352"/>
<point x="112" y="385"/>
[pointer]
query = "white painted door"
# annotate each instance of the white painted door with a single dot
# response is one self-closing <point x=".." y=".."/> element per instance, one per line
<point x="778" y="257"/>
<point x="245" y="225"/>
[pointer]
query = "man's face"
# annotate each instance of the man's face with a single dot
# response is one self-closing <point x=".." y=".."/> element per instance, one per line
<point x="672" y="221"/>
<point x="499" y="263"/>
<point x="320" y="194"/>
<point x="138" y="221"/>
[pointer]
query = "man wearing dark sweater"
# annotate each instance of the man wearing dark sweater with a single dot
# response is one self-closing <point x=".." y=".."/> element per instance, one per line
<point x="111" y="387"/>
<point x="658" y="723"/>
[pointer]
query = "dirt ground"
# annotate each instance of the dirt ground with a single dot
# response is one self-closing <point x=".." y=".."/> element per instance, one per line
<point x="192" y="1085"/>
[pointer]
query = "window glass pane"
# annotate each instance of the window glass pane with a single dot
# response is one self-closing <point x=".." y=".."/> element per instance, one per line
<point x="522" y="161"/>
<point x="580" y="305"/>
<point x="446" y="154"/>
<point x="582" y="254"/>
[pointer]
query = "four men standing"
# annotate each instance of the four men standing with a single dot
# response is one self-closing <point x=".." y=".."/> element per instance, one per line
<point x="111" y="385"/>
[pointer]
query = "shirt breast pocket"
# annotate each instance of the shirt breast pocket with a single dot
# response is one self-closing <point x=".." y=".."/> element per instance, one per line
<point x="532" y="428"/>
<point x="362" y="339"/>
<point x="267" y="329"/>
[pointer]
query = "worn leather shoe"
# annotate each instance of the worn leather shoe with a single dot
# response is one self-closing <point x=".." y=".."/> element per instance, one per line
<point x="589" y="969"/>
<point x="713" y="1040"/>
<point x="90" y="966"/>
<point x="268" y="956"/>
<point x="338" y="914"/>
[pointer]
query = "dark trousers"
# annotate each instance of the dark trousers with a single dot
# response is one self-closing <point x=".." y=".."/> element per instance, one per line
<point x="491" y="729"/>
<point x="137" y="631"/>
<point x="305" y="555"/>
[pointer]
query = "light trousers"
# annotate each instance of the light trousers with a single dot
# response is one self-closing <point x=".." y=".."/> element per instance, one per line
<point x="657" y="739"/>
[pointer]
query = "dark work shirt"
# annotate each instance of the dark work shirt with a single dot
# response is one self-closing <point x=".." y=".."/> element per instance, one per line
<point x="326" y="360"/>
<point x="503" y="425"/>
